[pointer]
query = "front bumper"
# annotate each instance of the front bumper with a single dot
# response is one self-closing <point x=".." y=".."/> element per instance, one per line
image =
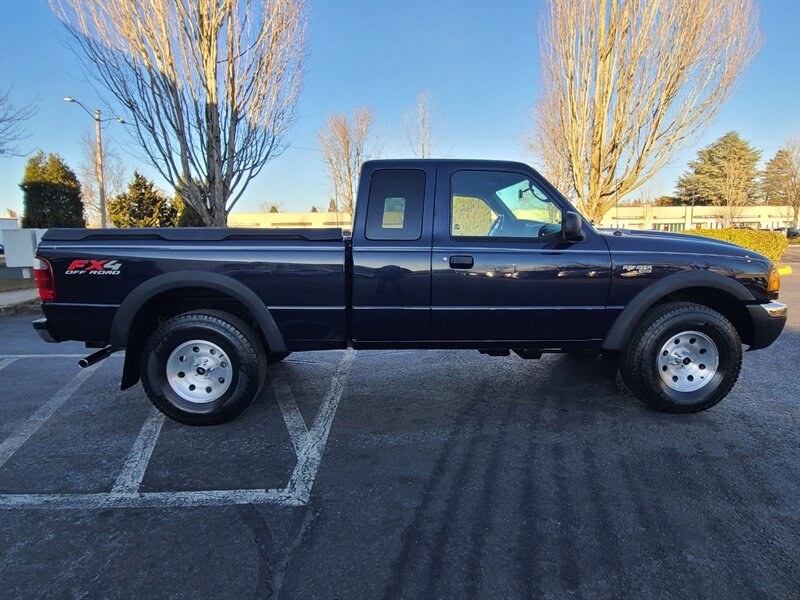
<point x="768" y="322"/>
<point x="43" y="329"/>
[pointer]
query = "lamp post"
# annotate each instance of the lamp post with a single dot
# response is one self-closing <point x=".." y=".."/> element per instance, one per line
<point x="98" y="150"/>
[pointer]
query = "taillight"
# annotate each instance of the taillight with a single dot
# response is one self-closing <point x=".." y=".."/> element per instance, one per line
<point x="43" y="275"/>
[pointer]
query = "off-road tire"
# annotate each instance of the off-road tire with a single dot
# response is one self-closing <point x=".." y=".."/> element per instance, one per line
<point x="233" y="336"/>
<point x="639" y="366"/>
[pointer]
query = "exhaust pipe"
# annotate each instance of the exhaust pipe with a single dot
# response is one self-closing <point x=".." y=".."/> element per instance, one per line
<point x="97" y="357"/>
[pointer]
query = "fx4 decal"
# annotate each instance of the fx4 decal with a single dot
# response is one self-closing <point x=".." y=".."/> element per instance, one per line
<point x="93" y="267"/>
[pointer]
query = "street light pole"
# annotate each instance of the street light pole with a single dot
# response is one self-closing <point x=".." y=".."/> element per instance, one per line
<point x="98" y="150"/>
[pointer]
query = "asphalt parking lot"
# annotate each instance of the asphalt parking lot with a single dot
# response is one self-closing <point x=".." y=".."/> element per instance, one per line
<point x="399" y="475"/>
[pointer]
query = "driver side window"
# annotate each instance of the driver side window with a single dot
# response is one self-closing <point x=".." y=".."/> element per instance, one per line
<point x="489" y="204"/>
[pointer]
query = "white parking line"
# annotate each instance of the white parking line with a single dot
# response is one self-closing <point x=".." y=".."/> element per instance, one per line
<point x="4" y="362"/>
<point x="308" y="444"/>
<point x="148" y="499"/>
<point x="130" y="478"/>
<point x="310" y="456"/>
<point x="298" y="433"/>
<point x="13" y="443"/>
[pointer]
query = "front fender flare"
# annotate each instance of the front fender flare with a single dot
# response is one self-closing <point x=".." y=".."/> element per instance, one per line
<point x="623" y="327"/>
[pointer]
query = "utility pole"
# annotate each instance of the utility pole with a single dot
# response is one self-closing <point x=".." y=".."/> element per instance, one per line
<point x="98" y="154"/>
<point x="99" y="165"/>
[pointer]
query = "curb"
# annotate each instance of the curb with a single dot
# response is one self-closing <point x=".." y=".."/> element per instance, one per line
<point x="785" y="270"/>
<point x="28" y="307"/>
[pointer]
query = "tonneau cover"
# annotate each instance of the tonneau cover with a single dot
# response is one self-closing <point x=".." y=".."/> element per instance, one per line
<point x="191" y="234"/>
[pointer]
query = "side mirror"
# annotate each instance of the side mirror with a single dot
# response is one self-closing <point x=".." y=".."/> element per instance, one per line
<point x="573" y="226"/>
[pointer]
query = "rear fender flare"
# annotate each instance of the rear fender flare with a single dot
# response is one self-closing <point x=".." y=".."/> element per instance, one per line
<point x="130" y="307"/>
<point x="120" y="327"/>
<point x="624" y="326"/>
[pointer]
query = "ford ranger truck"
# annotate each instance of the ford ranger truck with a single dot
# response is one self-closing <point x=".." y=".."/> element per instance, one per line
<point x="469" y="254"/>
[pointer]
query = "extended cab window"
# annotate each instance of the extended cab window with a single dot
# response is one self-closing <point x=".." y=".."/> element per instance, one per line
<point x="496" y="204"/>
<point x="396" y="199"/>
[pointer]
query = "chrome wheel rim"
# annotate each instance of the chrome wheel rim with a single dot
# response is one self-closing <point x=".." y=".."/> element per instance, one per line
<point x="688" y="361"/>
<point x="199" y="371"/>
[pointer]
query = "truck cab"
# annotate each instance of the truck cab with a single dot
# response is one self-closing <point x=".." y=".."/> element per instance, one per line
<point x="465" y="254"/>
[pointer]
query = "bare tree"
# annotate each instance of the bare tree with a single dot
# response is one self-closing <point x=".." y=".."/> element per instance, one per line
<point x="11" y="129"/>
<point x="553" y="156"/>
<point x="628" y="83"/>
<point x="114" y="176"/>
<point x="344" y="148"/>
<point x="272" y="207"/>
<point x="209" y="86"/>
<point x="781" y="178"/>
<point x="418" y="127"/>
<point x="793" y="184"/>
<point x="735" y="185"/>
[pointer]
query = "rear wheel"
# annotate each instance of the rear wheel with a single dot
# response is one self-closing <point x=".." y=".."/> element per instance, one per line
<point x="683" y="358"/>
<point x="203" y="367"/>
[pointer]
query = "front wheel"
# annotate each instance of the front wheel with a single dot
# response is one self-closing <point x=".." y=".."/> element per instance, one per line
<point x="683" y="358"/>
<point x="202" y="367"/>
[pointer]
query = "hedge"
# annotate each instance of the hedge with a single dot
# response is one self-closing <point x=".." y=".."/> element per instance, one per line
<point x="771" y="244"/>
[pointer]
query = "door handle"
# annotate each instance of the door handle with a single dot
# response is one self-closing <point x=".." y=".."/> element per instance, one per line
<point x="461" y="262"/>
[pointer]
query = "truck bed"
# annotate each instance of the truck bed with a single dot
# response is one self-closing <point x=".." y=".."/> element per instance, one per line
<point x="298" y="274"/>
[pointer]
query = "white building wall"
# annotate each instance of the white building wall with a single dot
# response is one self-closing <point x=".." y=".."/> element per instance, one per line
<point x="681" y="218"/>
<point x="662" y="218"/>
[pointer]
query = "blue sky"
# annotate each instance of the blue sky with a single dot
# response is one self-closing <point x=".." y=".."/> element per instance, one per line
<point x="479" y="62"/>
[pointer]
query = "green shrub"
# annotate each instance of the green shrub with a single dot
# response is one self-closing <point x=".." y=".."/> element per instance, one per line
<point x="771" y="244"/>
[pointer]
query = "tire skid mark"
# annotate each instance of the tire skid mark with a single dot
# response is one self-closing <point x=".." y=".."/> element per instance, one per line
<point x="481" y="517"/>
<point x="402" y="565"/>
<point x="529" y="531"/>
<point x="657" y="528"/>
<point x="538" y="502"/>
<point x="569" y="556"/>
<point x="454" y="498"/>
<point x="607" y="540"/>
<point x="612" y="495"/>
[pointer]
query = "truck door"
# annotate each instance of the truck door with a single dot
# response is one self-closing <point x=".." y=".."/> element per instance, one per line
<point x="392" y="254"/>
<point x="501" y="269"/>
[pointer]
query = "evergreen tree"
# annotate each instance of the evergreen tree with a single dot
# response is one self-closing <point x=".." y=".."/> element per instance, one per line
<point x="723" y="174"/>
<point x="51" y="193"/>
<point x="667" y="201"/>
<point x="314" y="209"/>
<point x="332" y="206"/>
<point x="142" y="206"/>
<point x="190" y="217"/>
<point x="273" y="209"/>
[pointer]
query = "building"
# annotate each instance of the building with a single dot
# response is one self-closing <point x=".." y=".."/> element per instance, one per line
<point x="661" y="218"/>
<point x="682" y="218"/>
<point x="315" y="220"/>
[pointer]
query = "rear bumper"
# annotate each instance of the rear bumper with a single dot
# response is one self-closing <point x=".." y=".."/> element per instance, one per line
<point x="768" y="322"/>
<point x="43" y="329"/>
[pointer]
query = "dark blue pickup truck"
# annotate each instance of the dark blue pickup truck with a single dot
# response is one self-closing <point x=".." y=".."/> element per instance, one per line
<point x="481" y="255"/>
